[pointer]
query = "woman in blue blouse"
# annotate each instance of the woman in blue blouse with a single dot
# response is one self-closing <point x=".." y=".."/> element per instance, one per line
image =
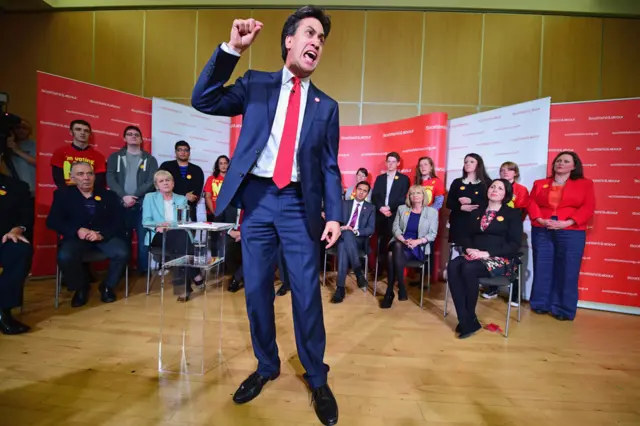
<point x="414" y="227"/>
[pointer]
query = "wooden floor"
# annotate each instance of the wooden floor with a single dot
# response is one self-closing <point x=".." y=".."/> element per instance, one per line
<point x="98" y="365"/>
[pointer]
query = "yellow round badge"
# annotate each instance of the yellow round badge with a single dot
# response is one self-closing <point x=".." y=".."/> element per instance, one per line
<point x="546" y="185"/>
<point x="396" y="178"/>
<point x="499" y="218"/>
<point x="476" y="192"/>
<point x="3" y="192"/>
<point x="188" y="176"/>
<point x="462" y="188"/>
<point x="97" y="198"/>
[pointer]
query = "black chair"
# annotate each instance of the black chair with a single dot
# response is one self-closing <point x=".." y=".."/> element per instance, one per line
<point x="92" y="256"/>
<point x="416" y="264"/>
<point x="501" y="281"/>
<point x="333" y="251"/>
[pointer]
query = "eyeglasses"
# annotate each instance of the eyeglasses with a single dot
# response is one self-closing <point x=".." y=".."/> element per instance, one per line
<point x="132" y="135"/>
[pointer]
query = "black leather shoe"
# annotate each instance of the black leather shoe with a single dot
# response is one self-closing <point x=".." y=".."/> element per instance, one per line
<point x="362" y="282"/>
<point x="561" y="317"/>
<point x="80" y="298"/>
<point x="235" y="285"/>
<point x="282" y="291"/>
<point x="338" y="296"/>
<point x="9" y="326"/>
<point x="540" y="311"/>
<point x="473" y="329"/>
<point x="325" y="405"/>
<point x="251" y="387"/>
<point x="108" y="295"/>
<point x="402" y="293"/>
<point x="387" y="301"/>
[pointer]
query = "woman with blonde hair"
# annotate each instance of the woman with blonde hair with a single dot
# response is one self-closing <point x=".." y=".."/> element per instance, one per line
<point x="414" y="227"/>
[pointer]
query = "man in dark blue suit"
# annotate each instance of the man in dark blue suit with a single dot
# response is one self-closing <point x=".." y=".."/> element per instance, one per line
<point x="360" y="223"/>
<point x="284" y="166"/>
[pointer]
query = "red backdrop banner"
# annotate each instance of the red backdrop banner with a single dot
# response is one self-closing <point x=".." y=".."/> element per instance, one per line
<point x="605" y="135"/>
<point x="61" y="100"/>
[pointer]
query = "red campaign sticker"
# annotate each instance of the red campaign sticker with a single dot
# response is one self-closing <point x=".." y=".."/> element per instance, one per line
<point x="493" y="328"/>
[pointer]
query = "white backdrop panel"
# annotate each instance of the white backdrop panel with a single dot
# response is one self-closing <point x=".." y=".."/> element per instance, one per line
<point x="209" y="136"/>
<point x="518" y="133"/>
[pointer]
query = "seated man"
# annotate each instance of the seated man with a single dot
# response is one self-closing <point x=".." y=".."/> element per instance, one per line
<point x="15" y="251"/>
<point x="359" y="216"/>
<point x="88" y="218"/>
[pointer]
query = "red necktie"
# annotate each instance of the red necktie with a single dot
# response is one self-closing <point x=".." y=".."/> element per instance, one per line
<point x="284" y="162"/>
<point x="352" y="224"/>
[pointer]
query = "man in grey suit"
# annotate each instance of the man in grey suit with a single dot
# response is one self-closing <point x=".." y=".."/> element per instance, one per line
<point x="358" y="215"/>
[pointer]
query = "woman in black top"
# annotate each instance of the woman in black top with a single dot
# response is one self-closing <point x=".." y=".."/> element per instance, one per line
<point x="492" y="239"/>
<point x="466" y="194"/>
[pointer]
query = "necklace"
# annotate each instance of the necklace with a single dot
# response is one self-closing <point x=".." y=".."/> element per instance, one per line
<point x="560" y="182"/>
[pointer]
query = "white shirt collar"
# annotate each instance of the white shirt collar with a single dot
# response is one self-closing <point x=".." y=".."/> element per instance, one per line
<point x="288" y="75"/>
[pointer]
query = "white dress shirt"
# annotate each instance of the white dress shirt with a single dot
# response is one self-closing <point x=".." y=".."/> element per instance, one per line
<point x="267" y="160"/>
<point x="390" y="178"/>
<point x="353" y="209"/>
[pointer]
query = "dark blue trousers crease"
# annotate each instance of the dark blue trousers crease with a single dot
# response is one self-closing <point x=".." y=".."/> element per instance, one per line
<point x="557" y="257"/>
<point x="272" y="217"/>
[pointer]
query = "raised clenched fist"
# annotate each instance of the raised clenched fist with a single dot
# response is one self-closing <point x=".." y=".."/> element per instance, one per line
<point x="243" y="33"/>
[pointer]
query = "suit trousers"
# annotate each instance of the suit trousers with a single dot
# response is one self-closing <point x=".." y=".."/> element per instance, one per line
<point x="462" y="277"/>
<point x="15" y="259"/>
<point x="349" y="248"/>
<point x="70" y="254"/>
<point x="557" y="257"/>
<point x="271" y="217"/>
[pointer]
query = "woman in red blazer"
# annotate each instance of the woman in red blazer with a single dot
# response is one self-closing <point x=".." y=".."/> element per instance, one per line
<point x="511" y="172"/>
<point x="560" y="208"/>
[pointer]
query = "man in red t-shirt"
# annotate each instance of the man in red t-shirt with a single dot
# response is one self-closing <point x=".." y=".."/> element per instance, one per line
<point x="78" y="150"/>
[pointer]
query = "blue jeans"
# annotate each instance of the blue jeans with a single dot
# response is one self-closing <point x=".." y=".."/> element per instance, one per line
<point x="557" y="257"/>
<point x="133" y="221"/>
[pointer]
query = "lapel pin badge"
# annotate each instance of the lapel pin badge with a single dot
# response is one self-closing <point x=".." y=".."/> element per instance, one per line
<point x="317" y="99"/>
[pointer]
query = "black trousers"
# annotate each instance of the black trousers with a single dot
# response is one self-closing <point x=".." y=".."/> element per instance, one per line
<point x="397" y="261"/>
<point x="463" y="276"/>
<point x="177" y="244"/>
<point x="15" y="259"/>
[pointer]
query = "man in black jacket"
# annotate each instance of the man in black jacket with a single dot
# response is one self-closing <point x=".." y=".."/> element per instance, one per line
<point x="88" y="218"/>
<point x="389" y="192"/>
<point x="15" y="251"/>
<point x="188" y="178"/>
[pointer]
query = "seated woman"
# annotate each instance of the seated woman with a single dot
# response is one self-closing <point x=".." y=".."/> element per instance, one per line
<point x="159" y="207"/>
<point x="414" y="227"/>
<point x="492" y="240"/>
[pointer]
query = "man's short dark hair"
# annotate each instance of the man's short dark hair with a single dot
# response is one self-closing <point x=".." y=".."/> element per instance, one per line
<point x="293" y="21"/>
<point x="182" y="143"/>
<point x="84" y="123"/>
<point x="136" y="128"/>
<point x="394" y="155"/>
<point x="365" y="183"/>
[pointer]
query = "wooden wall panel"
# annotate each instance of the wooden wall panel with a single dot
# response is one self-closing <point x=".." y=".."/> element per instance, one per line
<point x="118" y="45"/>
<point x="349" y="114"/>
<point x="169" y="68"/>
<point x="571" y="58"/>
<point x="340" y="71"/>
<point x="452" y="111"/>
<point x="376" y="113"/>
<point x="26" y="55"/>
<point x="511" y="62"/>
<point x="69" y="45"/>
<point x="265" y="52"/>
<point x="392" y="56"/>
<point x="621" y="58"/>
<point x="451" y="69"/>
<point x="214" y="27"/>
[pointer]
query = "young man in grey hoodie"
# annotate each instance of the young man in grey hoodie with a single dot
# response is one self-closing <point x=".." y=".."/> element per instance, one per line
<point x="130" y="175"/>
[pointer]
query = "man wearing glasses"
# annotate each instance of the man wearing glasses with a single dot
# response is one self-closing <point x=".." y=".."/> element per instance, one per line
<point x="188" y="178"/>
<point x="130" y="175"/>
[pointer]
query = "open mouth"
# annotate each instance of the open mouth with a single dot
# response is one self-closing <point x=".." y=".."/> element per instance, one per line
<point x="310" y="55"/>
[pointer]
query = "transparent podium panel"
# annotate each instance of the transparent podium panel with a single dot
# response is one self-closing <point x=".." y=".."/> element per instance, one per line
<point x="191" y="303"/>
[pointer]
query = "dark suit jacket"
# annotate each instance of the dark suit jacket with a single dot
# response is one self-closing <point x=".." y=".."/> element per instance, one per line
<point x="367" y="221"/>
<point x="15" y="204"/>
<point x="184" y="185"/>
<point x="502" y="237"/>
<point x="397" y="196"/>
<point x="255" y="96"/>
<point x="68" y="213"/>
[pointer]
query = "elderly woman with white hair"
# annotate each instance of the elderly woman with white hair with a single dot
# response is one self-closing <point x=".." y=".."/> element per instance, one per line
<point x="160" y="207"/>
<point x="414" y="227"/>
